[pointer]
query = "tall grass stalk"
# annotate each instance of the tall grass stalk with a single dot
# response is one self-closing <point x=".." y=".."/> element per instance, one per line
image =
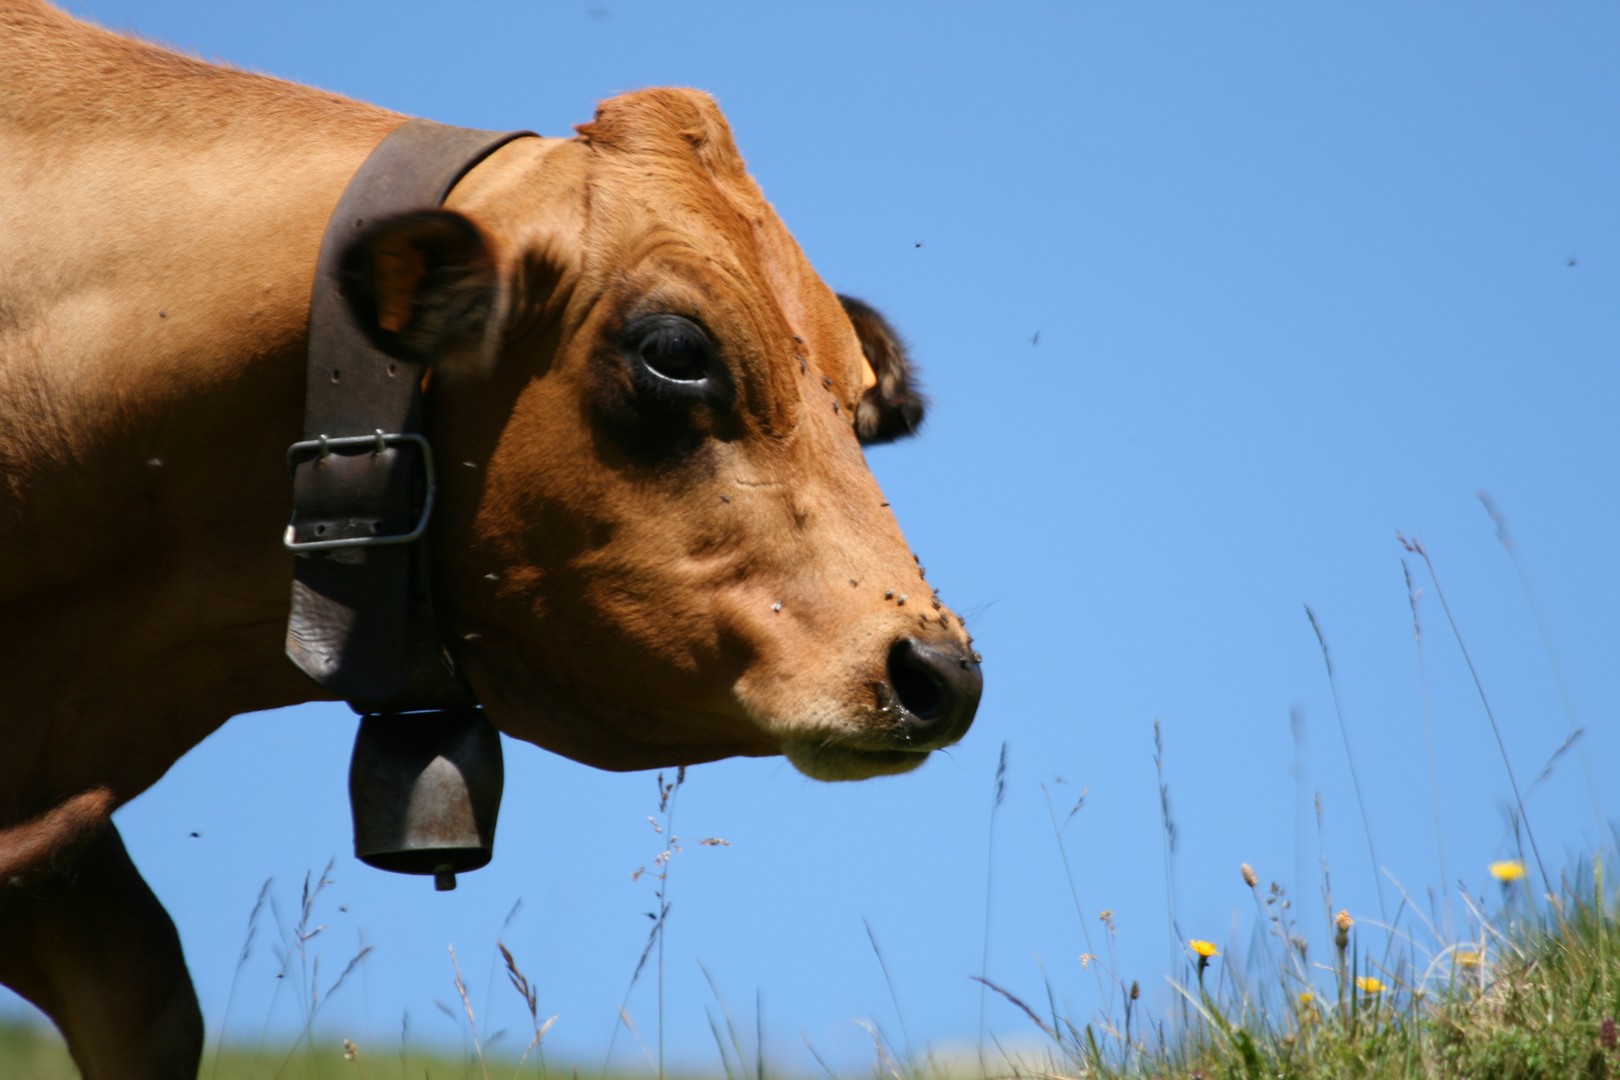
<point x="241" y="963"/>
<point x="520" y="982"/>
<point x="472" y="1021"/>
<point x="500" y="948"/>
<point x="759" y="1034"/>
<point x="888" y="980"/>
<point x="1415" y="547"/>
<point x="1350" y="761"/>
<point x="731" y="1027"/>
<point x="1168" y="833"/>
<point x="666" y="805"/>
<point x="1505" y="538"/>
<point x="1412" y="595"/>
<point x="1074" y="892"/>
<point x="660" y="917"/>
<point x="989" y="888"/>
<point x="1296" y="731"/>
<point x="297" y="958"/>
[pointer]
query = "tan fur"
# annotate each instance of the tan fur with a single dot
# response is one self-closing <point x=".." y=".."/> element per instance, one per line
<point x="50" y="842"/>
<point x="626" y="606"/>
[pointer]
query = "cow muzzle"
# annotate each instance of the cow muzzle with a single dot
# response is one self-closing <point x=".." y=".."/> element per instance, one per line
<point x="928" y="702"/>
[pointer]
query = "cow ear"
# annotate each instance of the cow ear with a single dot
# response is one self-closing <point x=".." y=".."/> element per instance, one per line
<point x="424" y="285"/>
<point x="892" y="404"/>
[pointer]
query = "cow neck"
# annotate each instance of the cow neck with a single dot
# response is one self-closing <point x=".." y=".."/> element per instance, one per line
<point x="361" y="623"/>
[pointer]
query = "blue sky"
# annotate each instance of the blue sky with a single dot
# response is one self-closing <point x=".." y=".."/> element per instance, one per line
<point x="1212" y="300"/>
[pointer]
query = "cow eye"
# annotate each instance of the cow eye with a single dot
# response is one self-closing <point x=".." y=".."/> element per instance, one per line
<point x="674" y="348"/>
<point x="664" y="389"/>
<point x="674" y="357"/>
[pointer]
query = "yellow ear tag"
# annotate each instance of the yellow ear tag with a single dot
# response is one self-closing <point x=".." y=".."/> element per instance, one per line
<point x="868" y="376"/>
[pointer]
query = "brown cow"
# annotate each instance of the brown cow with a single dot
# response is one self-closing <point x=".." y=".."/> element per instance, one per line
<point x="656" y="538"/>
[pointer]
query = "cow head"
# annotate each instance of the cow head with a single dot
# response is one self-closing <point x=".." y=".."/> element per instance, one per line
<point x="657" y="539"/>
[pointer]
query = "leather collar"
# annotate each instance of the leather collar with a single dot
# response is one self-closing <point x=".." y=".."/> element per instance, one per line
<point x="361" y="623"/>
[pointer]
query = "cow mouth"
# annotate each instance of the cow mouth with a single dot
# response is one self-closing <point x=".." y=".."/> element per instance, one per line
<point x="830" y="760"/>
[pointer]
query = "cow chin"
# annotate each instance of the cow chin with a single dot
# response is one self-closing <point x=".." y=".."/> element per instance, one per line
<point x="822" y="760"/>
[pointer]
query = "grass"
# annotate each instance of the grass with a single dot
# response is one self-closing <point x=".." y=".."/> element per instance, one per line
<point x="1534" y="993"/>
<point x="33" y="1052"/>
<point x="1526" y="985"/>
<point x="1529" y="988"/>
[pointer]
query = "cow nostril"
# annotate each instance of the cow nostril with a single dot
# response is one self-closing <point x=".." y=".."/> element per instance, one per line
<point x="916" y="684"/>
<point x="937" y="689"/>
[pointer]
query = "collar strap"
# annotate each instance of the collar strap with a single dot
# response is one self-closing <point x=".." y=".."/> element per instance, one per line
<point x="361" y="623"/>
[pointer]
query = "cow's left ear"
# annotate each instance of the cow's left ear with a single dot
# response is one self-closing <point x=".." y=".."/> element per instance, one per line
<point x="892" y="404"/>
<point x="425" y="285"/>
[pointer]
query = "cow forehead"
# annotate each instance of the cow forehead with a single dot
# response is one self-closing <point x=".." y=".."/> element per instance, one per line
<point x="664" y="169"/>
<point x="668" y="186"/>
<point x="670" y="128"/>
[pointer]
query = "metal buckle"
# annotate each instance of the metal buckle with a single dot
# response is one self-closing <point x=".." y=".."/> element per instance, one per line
<point x="323" y="447"/>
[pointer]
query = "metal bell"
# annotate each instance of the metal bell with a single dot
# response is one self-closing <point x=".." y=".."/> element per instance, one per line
<point x="425" y="789"/>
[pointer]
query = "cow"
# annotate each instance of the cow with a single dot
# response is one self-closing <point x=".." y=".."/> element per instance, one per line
<point x="655" y="538"/>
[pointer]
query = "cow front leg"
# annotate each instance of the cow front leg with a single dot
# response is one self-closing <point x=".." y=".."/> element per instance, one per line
<point x="91" y="946"/>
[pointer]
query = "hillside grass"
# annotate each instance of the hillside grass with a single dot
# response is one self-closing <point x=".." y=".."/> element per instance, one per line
<point x="36" y="1052"/>
<point x="1538" y="996"/>
<point x="1536" y="993"/>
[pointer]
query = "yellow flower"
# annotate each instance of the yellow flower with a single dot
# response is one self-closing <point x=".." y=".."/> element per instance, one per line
<point x="1470" y="958"/>
<point x="1370" y="985"/>
<point x="1507" y="870"/>
<point x="1343" y="920"/>
<point x="1308" y="1012"/>
<point x="1204" y="949"/>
